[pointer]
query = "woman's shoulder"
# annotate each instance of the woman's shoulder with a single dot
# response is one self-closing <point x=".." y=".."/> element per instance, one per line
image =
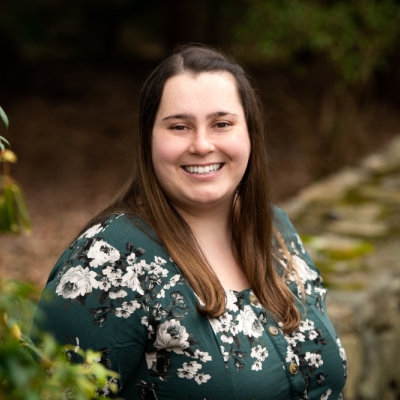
<point x="118" y="227"/>
<point x="113" y="270"/>
<point x="293" y="241"/>
<point x="284" y="226"/>
<point x="117" y="239"/>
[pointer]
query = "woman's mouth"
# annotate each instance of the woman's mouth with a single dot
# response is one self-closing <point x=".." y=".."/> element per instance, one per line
<point x="202" y="169"/>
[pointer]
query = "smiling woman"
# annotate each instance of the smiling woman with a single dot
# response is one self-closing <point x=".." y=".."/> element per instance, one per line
<point x="200" y="142"/>
<point x="191" y="284"/>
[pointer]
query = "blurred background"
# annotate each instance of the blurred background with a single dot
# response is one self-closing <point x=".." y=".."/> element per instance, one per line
<point x="327" y="71"/>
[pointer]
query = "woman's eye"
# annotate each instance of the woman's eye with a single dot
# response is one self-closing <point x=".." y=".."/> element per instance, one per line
<point x="178" y="127"/>
<point x="222" y="125"/>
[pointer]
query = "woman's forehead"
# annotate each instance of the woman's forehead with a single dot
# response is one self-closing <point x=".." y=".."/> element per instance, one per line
<point x="207" y="91"/>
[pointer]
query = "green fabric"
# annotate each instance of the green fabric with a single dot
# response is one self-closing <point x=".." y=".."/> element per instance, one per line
<point x="116" y="290"/>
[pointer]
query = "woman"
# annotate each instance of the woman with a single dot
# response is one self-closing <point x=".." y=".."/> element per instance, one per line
<point x="190" y="283"/>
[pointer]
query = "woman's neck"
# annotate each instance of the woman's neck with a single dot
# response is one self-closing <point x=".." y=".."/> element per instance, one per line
<point x="209" y="224"/>
<point x="213" y="232"/>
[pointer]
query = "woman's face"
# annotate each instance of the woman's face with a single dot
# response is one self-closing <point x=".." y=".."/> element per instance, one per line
<point x="200" y="141"/>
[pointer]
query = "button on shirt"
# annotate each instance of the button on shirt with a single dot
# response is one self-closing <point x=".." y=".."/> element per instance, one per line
<point x="115" y="290"/>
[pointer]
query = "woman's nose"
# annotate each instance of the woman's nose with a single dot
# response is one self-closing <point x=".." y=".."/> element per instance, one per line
<point x="202" y="142"/>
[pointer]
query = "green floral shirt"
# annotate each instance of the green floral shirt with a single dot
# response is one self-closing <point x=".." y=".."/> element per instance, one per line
<point x="116" y="290"/>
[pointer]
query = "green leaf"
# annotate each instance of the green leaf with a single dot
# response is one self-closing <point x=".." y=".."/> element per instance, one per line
<point x="23" y="216"/>
<point x="4" y="117"/>
<point x="3" y="139"/>
<point x="4" y="224"/>
<point x="11" y="209"/>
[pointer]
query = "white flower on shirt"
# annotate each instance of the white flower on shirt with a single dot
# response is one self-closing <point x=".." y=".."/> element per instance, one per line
<point x="307" y="289"/>
<point x="189" y="370"/>
<point x="326" y="395"/>
<point x="112" y="272"/>
<point x="157" y="270"/>
<point x="215" y="324"/>
<point x="298" y="336"/>
<point x="300" y="243"/>
<point x="159" y="260"/>
<point x="131" y="306"/>
<point x="104" y="284"/>
<point x="291" y="356"/>
<point x="202" y="378"/>
<point x="131" y="259"/>
<point x="306" y="325"/>
<point x="202" y="355"/>
<point x="257" y="366"/>
<point x="342" y="351"/>
<point x="131" y="280"/>
<point x="122" y="312"/>
<point x="92" y="231"/>
<point x="116" y="280"/>
<point x="127" y="308"/>
<point x="260" y="353"/>
<point x="314" y="359"/>
<point x="225" y="354"/>
<point x="312" y="335"/>
<point x="117" y="295"/>
<point x="321" y="292"/>
<point x="172" y="282"/>
<point x="172" y="336"/>
<point x="305" y="272"/>
<point x="231" y="301"/>
<point x="234" y="330"/>
<point x="225" y="320"/>
<point x="77" y="282"/>
<point x="248" y="322"/>
<point x="227" y="339"/>
<point x="101" y="253"/>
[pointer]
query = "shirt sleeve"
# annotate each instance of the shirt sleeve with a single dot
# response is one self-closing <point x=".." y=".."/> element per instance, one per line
<point x="311" y="279"/>
<point x="291" y="237"/>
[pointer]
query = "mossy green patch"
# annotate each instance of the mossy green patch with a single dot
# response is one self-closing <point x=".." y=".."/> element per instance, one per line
<point x="338" y="248"/>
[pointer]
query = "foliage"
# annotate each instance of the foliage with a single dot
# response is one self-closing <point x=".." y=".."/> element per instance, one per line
<point x="4" y="118"/>
<point x="355" y="36"/>
<point x="28" y="372"/>
<point x="14" y="217"/>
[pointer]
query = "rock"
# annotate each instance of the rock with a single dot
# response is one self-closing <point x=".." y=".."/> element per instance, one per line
<point x="380" y="194"/>
<point x="352" y="222"/>
<point x="364" y="229"/>
<point x="334" y="187"/>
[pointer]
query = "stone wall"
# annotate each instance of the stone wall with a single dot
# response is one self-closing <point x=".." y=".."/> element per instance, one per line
<point x="350" y="223"/>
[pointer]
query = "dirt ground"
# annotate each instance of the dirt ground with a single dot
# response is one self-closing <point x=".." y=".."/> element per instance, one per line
<point x="74" y="153"/>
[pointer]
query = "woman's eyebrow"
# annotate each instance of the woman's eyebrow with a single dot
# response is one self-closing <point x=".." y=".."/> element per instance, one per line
<point x="179" y="116"/>
<point x="220" y="114"/>
<point x="191" y="116"/>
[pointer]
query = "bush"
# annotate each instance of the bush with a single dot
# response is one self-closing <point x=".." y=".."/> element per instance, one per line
<point x="28" y="371"/>
<point x="31" y="372"/>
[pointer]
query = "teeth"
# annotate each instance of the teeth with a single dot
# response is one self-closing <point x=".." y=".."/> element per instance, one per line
<point x="202" y="170"/>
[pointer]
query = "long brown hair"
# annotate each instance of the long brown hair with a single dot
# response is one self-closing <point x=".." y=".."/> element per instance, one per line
<point x="252" y="217"/>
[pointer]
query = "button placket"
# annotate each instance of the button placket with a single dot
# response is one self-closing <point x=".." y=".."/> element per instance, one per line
<point x="293" y="368"/>
<point x="273" y="330"/>
<point x="277" y="338"/>
<point x="253" y="300"/>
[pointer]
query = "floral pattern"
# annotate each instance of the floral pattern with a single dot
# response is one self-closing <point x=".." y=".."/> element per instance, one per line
<point x="77" y="282"/>
<point x="240" y="322"/>
<point x="133" y="291"/>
